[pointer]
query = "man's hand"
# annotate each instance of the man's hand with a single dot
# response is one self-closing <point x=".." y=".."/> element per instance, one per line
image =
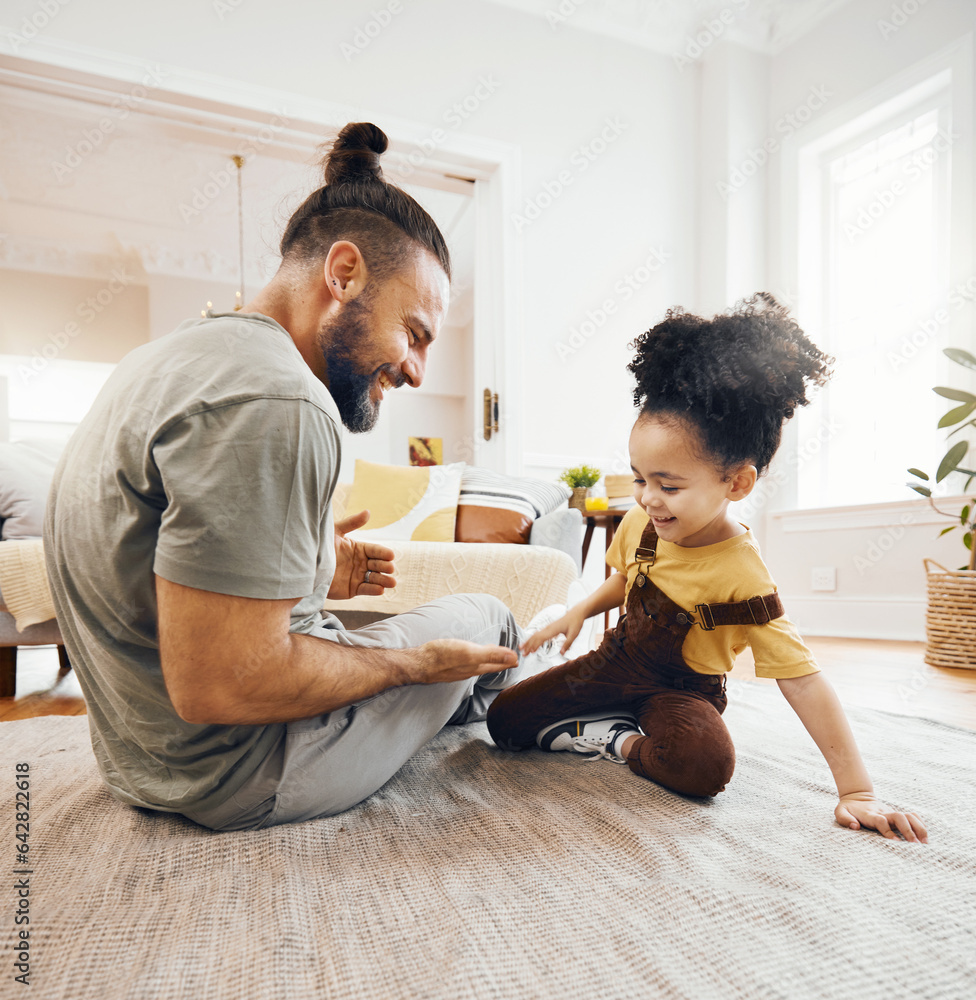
<point x="857" y="809"/>
<point x="354" y="559"/>
<point x="455" y="660"/>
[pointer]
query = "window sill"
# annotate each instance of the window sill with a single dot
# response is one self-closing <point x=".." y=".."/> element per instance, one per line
<point x="878" y="515"/>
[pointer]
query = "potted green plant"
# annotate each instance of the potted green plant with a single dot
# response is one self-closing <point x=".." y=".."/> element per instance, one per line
<point x="952" y="459"/>
<point x="950" y="621"/>
<point x="579" y="478"/>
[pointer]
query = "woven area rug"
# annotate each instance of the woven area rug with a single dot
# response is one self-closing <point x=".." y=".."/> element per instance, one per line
<point x="480" y="874"/>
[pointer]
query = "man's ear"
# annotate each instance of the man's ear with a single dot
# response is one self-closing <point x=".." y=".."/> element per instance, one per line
<point x="742" y="482"/>
<point x="344" y="271"/>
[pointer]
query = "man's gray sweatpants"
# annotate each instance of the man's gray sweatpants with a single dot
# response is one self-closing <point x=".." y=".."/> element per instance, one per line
<point x="328" y="763"/>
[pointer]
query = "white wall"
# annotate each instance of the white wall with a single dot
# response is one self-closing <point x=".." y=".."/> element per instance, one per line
<point x="551" y="92"/>
<point x="750" y="108"/>
<point x="70" y="317"/>
<point x="734" y="95"/>
<point x="173" y="300"/>
<point x="878" y="554"/>
<point x="641" y="228"/>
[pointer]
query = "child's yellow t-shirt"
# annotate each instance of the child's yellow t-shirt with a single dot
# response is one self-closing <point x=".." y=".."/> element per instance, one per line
<point x="732" y="570"/>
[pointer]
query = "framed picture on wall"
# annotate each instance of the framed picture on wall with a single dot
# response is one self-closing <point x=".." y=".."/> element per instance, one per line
<point x="426" y="451"/>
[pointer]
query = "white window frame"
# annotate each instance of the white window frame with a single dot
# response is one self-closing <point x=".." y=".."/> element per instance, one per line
<point x="952" y="68"/>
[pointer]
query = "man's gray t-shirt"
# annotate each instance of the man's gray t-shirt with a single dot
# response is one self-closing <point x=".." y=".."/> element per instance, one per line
<point x="209" y="458"/>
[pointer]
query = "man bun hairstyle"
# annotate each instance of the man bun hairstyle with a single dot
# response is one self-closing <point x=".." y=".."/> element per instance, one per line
<point x="737" y="378"/>
<point x="357" y="204"/>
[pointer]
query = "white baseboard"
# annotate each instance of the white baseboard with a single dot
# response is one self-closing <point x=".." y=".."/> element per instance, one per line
<point x="858" y="617"/>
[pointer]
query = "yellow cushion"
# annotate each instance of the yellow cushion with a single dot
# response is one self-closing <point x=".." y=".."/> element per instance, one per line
<point x="410" y="503"/>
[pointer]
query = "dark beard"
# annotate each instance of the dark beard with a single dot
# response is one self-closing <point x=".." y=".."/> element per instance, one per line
<point x="341" y="341"/>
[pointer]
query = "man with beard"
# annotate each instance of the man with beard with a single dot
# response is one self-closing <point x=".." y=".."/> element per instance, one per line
<point x="190" y="541"/>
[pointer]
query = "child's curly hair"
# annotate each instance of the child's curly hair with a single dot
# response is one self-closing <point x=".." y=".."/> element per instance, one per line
<point x="736" y="377"/>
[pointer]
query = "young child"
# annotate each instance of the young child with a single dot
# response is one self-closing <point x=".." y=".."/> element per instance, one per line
<point x="713" y="397"/>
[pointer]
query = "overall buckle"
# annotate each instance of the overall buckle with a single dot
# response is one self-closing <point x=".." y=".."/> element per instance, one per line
<point x="758" y="604"/>
<point x="706" y="622"/>
<point x="705" y="619"/>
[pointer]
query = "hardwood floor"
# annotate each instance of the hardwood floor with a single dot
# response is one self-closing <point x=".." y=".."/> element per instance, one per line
<point x="41" y="690"/>
<point x="890" y="676"/>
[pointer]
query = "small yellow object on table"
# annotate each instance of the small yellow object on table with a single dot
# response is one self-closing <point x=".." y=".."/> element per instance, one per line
<point x="597" y="503"/>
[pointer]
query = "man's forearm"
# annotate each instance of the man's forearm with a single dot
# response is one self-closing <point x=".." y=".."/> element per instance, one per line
<point x="231" y="660"/>
<point x="297" y="677"/>
<point x="815" y="702"/>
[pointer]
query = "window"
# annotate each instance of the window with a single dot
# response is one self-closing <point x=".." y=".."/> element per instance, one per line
<point x="874" y="291"/>
<point x="48" y="398"/>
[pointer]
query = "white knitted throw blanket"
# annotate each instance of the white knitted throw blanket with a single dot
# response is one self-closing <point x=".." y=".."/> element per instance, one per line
<point x="23" y="582"/>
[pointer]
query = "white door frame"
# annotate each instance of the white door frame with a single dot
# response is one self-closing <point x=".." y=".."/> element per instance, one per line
<point x="227" y="113"/>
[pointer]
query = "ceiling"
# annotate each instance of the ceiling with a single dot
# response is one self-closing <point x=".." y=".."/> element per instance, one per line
<point x="166" y="203"/>
<point x="666" y="26"/>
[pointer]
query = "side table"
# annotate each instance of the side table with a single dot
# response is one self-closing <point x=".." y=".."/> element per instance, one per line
<point x="608" y="520"/>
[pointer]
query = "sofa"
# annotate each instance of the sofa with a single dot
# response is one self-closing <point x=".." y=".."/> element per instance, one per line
<point x="43" y="634"/>
<point x="527" y="578"/>
<point x="26" y="468"/>
<point x="26" y="612"/>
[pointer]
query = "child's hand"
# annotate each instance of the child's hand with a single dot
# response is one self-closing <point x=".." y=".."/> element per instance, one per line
<point x="569" y="625"/>
<point x="859" y="809"/>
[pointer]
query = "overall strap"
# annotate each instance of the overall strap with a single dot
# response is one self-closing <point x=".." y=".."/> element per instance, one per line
<point x="755" y="611"/>
<point x="647" y="550"/>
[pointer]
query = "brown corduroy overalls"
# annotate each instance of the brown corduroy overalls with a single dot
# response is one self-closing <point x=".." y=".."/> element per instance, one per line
<point x="687" y="747"/>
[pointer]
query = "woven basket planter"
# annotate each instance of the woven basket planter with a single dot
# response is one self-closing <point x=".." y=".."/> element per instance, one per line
<point x="950" y="620"/>
<point x="578" y="499"/>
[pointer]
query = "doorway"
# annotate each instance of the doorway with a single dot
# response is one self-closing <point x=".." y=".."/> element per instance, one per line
<point x="103" y="172"/>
